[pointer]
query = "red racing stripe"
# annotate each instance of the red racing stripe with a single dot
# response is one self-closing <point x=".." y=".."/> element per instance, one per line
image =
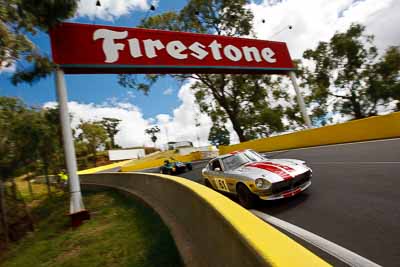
<point x="236" y="152"/>
<point x="274" y="169"/>
<point x="286" y="168"/>
<point x="292" y="193"/>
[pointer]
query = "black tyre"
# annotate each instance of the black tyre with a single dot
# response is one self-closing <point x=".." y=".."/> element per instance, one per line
<point x="207" y="183"/>
<point x="246" y="198"/>
<point x="189" y="167"/>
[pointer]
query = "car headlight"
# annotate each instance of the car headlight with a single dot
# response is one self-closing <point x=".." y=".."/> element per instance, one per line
<point x="262" y="183"/>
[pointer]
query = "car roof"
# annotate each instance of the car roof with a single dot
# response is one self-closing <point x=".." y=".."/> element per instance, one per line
<point x="230" y="154"/>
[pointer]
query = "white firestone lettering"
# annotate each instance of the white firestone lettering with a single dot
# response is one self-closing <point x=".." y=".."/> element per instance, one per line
<point x="251" y="53"/>
<point x="199" y="51"/>
<point x="134" y="48"/>
<point x="233" y="53"/>
<point x="110" y="48"/>
<point x="150" y="47"/>
<point x="215" y="46"/>
<point x="268" y="55"/>
<point x="175" y="49"/>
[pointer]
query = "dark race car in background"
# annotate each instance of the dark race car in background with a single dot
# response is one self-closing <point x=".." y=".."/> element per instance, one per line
<point x="175" y="167"/>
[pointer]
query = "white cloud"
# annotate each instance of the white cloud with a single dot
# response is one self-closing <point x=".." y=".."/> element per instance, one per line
<point x="178" y="127"/>
<point x="5" y="68"/>
<point x="109" y="9"/>
<point x="181" y="126"/>
<point x="318" y="20"/>
<point x="168" y="91"/>
<point x="132" y="124"/>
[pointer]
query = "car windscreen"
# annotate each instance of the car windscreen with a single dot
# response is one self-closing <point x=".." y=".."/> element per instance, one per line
<point x="253" y="156"/>
<point x="235" y="161"/>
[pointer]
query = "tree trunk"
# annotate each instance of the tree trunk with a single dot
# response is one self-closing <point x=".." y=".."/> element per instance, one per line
<point x="30" y="188"/>
<point x="356" y="107"/>
<point x="95" y="157"/>
<point x="236" y="126"/>
<point x="3" y="210"/>
<point x="112" y="142"/>
<point x="46" y="174"/>
<point x="14" y="189"/>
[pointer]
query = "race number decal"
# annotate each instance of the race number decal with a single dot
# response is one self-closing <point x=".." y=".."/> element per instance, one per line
<point x="221" y="184"/>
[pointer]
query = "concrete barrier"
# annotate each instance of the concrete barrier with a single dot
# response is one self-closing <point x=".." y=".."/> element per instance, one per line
<point x="373" y="128"/>
<point x="209" y="229"/>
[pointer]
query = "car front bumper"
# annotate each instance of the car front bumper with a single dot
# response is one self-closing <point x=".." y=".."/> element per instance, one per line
<point x="287" y="193"/>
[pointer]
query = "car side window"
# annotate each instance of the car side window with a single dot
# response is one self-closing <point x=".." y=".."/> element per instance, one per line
<point x="215" y="164"/>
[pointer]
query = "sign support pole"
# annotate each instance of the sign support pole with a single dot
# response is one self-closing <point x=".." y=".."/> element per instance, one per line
<point x="300" y="100"/>
<point x="77" y="209"/>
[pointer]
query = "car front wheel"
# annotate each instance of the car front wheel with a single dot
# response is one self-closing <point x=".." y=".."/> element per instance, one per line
<point x="246" y="198"/>
<point x="207" y="183"/>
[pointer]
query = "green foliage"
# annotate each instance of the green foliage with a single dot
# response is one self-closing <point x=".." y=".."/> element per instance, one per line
<point x="20" y="18"/>
<point x="15" y="148"/>
<point x="30" y="139"/>
<point x="121" y="232"/>
<point x="111" y="127"/>
<point x="152" y="132"/>
<point x="238" y="98"/>
<point x="349" y="73"/>
<point x="93" y="135"/>
<point x="219" y="135"/>
<point x="242" y="99"/>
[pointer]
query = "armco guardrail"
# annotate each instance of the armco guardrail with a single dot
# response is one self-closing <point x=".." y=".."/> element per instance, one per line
<point x="209" y="229"/>
<point x="379" y="127"/>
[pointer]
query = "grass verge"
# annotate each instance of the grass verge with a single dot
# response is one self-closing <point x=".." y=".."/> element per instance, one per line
<point x="122" y="232"/>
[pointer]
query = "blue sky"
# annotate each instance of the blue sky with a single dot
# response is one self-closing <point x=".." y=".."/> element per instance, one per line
<point x="95" y="96"/>
<point x="99" y="89"/>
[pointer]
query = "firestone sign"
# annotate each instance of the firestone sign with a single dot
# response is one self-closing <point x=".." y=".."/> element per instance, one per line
<point x="83" y="48"/>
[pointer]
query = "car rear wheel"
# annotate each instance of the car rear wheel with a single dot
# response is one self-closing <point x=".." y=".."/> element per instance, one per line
<point x="246" y="198"/>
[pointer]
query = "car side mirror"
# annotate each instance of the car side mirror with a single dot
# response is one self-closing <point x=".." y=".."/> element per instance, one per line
<point x="217" y="169"/>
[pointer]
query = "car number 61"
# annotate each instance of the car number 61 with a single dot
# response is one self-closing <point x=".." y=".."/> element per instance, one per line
<point x="221" y="184"/>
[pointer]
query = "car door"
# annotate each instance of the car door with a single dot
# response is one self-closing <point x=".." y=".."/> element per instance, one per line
<point x="228" y="178"/>
<point x="217" y="176"/>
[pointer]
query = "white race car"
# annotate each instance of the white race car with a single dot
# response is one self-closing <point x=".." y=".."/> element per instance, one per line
<point x="250" y="176"/>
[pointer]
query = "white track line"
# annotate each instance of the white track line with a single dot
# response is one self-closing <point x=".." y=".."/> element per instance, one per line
<point x="356" y="162"/>
<point x="329" y="247"/>
<point x="332" y="145"/>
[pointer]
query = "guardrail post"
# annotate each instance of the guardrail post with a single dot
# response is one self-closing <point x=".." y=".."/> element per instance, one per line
<point x="300" y="100"/>
<point x="77" y="209"/>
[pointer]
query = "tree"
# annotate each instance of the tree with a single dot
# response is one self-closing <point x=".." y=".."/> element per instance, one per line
<point x="152" y="132"/>
<point x="219" y="135"/>
<point x="111" y="127"/>
<point x="20" y="18"/>
<point x="349" y="73"/>
<point x="241" y="99"/>
<point x="49" y="145"/>
<point x="19" y="139"/>
<point x="94" y="136"/>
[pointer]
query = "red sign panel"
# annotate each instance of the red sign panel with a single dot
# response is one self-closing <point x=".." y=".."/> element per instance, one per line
<point x="84" y="48"/>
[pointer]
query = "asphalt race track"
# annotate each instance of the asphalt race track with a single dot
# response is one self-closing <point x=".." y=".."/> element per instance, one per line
<point x="354" y="200"/>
